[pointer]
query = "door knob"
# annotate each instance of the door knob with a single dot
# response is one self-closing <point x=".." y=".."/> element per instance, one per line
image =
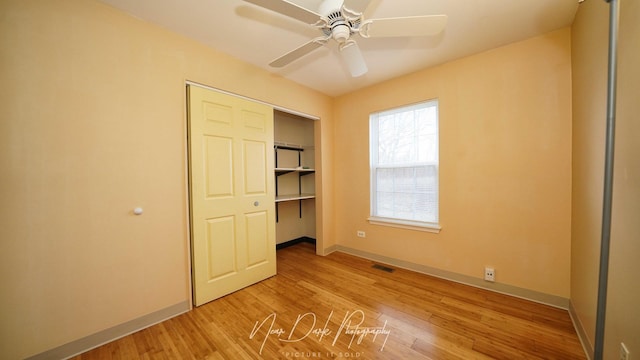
<point x="256" y="203"/>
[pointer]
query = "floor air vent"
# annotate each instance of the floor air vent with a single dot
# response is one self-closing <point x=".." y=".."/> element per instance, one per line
<point x="383" y="268"/>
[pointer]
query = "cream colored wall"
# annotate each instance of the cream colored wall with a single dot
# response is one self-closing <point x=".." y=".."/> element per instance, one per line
<point x="92" y="111"/>
<point x="505" y="165"/>
<point x="589" y="53"/>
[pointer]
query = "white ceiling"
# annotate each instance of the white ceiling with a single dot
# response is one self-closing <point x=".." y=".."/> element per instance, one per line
<point x="258" y="36"/>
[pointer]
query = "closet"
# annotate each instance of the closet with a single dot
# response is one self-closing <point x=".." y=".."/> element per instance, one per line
<point x="294" y="172"/>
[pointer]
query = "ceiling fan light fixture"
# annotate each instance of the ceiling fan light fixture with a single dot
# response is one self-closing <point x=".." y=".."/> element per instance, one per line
<point x="353" y="58"/>
<point x="341" y="33"/>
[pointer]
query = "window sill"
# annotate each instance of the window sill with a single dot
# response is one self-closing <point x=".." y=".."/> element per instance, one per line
<point x="406" y="224"/>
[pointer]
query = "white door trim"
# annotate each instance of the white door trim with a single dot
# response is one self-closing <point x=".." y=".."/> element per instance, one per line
<point x="275" y="107"/>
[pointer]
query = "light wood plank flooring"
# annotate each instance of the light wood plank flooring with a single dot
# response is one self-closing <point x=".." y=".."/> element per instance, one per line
<point x="340" y="307"/>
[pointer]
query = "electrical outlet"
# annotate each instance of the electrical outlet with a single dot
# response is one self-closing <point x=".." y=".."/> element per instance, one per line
<point x="361" y="233"/>
<point x="624" y="352"/>
<point x="489" y="274"/>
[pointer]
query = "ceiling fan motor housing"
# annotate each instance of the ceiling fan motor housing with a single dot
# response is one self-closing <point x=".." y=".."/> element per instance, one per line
<point x="339" y="28"/>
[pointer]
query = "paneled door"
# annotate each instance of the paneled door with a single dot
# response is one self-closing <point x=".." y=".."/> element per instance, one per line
<point x="231" y="193"/>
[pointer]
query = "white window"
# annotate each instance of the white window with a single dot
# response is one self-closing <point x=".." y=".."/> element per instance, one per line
<point x="404" y="166"/>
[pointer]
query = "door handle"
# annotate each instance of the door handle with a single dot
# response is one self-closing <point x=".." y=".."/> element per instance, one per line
<point x="256" y="203"/>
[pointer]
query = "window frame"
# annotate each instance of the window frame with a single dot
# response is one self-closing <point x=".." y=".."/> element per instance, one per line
<point x="433" y="227"/>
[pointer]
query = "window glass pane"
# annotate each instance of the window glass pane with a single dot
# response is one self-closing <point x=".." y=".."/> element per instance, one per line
<point x="403" y="206"/>
<point x="385" y="204"/>
<point x="405" y="170"/>
<point x="403" y="180"/>
<point x="403" y="136"/>
<point x="384" y="180"/>
<point x="386" y="128"/>
<point x="427" y="205"/>
<point x="408" y="193"/>
<point x="426" y="179"/>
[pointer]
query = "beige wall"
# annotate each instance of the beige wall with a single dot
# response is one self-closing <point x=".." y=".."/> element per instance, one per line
<point x="92" y="110"/>
<point x="505" y="165"/>
<point x="589" y="54"/>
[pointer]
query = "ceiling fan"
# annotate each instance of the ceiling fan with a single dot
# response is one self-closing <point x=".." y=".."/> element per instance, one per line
<point x="340" y="20"/>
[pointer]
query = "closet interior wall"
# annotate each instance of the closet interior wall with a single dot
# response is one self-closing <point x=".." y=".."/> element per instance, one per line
<point x="297" y="218"/>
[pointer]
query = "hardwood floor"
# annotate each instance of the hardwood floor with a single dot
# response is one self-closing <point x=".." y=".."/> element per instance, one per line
<point x="340" y="307"/>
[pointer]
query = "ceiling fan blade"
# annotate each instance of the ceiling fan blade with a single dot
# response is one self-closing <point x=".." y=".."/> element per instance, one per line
<point x="289" y="9"/>
<point x="298" y="53"/>
<point x="355" y="6"/>
<point x="404" y="26"/>
<point x="353" y="58"/>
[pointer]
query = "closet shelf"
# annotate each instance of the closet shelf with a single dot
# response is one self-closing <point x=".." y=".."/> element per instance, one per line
<point x="294" y="197"/>
<point x="302" y="172"/>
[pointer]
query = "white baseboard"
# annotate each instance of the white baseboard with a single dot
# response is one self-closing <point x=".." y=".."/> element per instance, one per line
<point x="105" y="336"/>
<point x="539" y="297"/>
<point x="330" y="249"/>
<point x="582" y="334"/>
